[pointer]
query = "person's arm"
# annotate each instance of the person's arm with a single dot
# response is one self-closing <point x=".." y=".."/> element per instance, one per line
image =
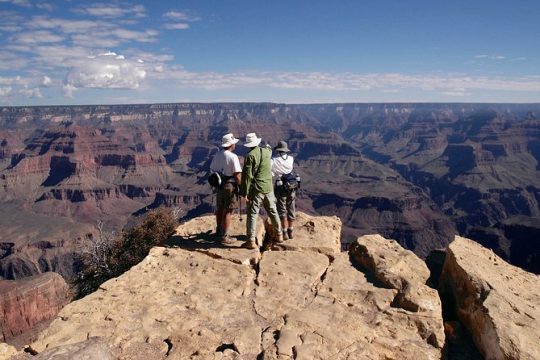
<point x="247" y="175"/>
<point x="237" y="172"/>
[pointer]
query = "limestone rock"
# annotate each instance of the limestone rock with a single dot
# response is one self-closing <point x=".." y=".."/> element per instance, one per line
<point x="184" y="302"/>
<point x="26" y="302"/>
<point x="7" y="351"/>
<point x="498" y="303"/>
<point x="91" y="349"/>
<point x="400" y="269"/>
<point x="312" y="233"/>
<point x="199" y="235"/>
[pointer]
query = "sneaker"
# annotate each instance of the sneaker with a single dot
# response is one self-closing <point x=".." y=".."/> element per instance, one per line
<point x="250" y="244"/>
<point x="227" y="240"/>
<point x="285" y="235"/>
<point x="290" y="233"/>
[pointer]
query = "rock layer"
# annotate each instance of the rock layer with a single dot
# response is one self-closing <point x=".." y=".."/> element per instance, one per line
<point x="498" y="303"/>
<point x="203" y="302"/>
<point x="25" y="303"/>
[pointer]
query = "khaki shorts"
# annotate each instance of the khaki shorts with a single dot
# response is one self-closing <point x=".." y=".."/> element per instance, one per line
<point x="226" y="197"/>
<point x="285" y="203"/>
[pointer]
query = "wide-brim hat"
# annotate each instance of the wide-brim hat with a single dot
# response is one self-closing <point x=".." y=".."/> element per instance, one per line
<point x="282" y="146"/>
<point x="252" y="140"/>
<point x="228" y="140"/>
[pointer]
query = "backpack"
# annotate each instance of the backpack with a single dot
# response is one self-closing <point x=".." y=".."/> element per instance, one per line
<point x="290" y="181"/>
<point x="215" y="179"/>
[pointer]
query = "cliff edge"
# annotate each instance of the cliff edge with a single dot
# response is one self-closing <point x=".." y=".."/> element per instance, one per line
<point x="195" y="299"/>
<point x="498" y="303"/>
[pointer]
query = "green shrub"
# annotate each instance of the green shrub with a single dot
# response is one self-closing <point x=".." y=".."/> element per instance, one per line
<point x="109" y="255"/>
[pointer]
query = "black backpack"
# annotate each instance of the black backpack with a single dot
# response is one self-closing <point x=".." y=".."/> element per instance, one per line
<point x="290" y="181"/>
<point x="215" y="179"/>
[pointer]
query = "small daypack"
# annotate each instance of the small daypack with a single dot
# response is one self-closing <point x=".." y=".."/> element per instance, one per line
<point x="290" y="181"/>
<point x="215" y="179"/>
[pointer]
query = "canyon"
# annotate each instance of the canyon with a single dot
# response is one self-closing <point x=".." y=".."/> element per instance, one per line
<point x="417" y="173"/>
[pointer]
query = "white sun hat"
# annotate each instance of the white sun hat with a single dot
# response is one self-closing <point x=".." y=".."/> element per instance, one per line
<point x="228" y="140"/>
<point x="252" y="140"/>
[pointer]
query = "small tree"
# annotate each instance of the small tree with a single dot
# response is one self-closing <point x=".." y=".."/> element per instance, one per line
<point x="109" y="255"/>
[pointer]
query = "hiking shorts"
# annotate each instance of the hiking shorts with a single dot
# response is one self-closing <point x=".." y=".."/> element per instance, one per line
<point x="226" y="197"/>
<point x="285" y="203"/>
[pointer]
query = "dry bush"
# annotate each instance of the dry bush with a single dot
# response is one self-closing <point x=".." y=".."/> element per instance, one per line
<point x="109" y="255"/>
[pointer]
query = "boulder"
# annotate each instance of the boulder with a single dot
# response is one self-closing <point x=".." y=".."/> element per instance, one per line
<point x="215" y="302"/>
<point x="92" y="349"/>
<point x="498" y="303"/>
<point x="320" y="234"/>
<point x="26" y="302"/>
<point x="395" y="268"/>
<point x="7" y="351"/>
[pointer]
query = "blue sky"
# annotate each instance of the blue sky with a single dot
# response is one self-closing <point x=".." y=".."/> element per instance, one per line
<point x="84" y="52"/>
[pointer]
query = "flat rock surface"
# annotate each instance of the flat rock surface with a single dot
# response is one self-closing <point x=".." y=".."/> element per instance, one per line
<point x="184" y="303"/>
<point x="317" y="234"/>
<point x="199" y="235"/>
<point x="498" y="303"/>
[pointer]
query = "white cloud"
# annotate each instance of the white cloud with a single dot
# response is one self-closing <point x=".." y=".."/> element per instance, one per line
<point x="11" y="80"/>
<point x="46" y="81"/>
<point x="34" y="93"/>
<point x="38" y="37"/>
<point x="132" y="35"/>
<point x="104" y="71"/>
<point x="112" y="10"/>
<point x="68" y="90"/>
<point x="45" y="6"/>
<point x="10" y="28"/>
<point x="24" y="3"/>
<point x="490" y="57"/>
<point x="100" y="40"/>
<point x="449" y="84"/>
<point x="177" y="26"/>
<point x="5" y="91"/>
<point x="68" y="26"/>
<point x="180" y="16"/>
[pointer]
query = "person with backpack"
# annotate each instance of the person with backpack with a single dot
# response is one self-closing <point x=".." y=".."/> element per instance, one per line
<point x="285" y="188"/>
<point x="256" y="187"/>
<point x="225" y="176"/>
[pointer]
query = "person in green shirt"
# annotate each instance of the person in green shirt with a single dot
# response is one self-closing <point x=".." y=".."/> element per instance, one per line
<point x="257" y="188"/>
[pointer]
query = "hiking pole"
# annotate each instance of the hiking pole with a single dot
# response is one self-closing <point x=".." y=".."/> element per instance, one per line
<point x="240" y="206"/>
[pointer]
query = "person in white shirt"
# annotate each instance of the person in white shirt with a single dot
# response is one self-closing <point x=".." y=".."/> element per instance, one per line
<point x="226" y="162"/>
<point x="282" y="164"/>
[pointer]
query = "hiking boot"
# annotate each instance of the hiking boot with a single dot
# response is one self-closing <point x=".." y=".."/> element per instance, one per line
<point x="285" y="235"/>
<point x="227" y="240"/>
<point x="290" y="233"/>
<point x="250" y="244"/>
<point x="279" y="238"/>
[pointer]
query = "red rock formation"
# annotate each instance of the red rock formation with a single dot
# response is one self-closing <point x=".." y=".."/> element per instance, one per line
<point x="24" y="303"/>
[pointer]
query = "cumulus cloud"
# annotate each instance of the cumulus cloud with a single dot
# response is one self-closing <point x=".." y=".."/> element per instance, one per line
<point x="5" y="91"/>
<point x="24" y="3"/>
<point x="34" y="93"/>
<point x="179" y="20"/>
<point x="46" y="81"/>
<point x="104" y="71"/>
<point x="180" y="16"/>
<point x="177" y="26"/>
<point x="112" y="10"/>
<point x="45" y="6"/>
<point x="38" y="37"/>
